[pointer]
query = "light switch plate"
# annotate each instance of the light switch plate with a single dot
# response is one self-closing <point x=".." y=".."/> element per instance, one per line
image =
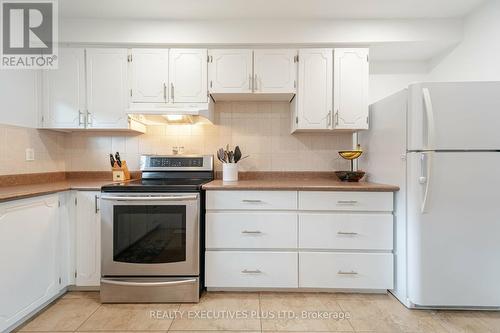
<point x="30" y="154"/>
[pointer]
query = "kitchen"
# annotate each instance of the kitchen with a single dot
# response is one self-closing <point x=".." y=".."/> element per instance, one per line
<point x="309" y="93"/>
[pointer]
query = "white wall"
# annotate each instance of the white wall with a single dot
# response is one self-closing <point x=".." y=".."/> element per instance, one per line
<point x="19" y="97"/>
<point x="476" y="58"/>
<point x="386" y="78"/>
<point x="210" y="32"/>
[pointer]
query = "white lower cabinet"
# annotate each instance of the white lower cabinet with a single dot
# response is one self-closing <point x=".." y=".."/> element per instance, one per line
<point x="246" y="269"/>
<point x="253" y="230"/>
<point x="29" y="241"/>
<point x="372" y="271"/>
<point x="341" y="231"/>
<point x="88" y="239"/>
<point x="299" y="239"/>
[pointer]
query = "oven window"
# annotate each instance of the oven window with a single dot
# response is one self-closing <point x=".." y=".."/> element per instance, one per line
<point x="149" y="234"/>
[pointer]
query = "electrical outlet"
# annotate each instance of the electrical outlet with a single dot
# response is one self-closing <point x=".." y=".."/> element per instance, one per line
<point x="30" y="154"/>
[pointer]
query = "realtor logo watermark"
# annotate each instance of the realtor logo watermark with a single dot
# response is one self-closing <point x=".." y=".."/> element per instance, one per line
<point x="29" y="34"/>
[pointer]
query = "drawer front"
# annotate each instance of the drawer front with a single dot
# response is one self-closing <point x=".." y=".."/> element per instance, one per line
<point x="346" y="201"/>
<point x="252" y="200"/>
<point x="251" y="230"/>
<point x="251" y="269"/>
<point x="346" y="231"/>
<point x="346" y="270"/>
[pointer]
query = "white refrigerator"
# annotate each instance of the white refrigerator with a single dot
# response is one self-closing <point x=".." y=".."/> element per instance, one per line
<point x="440" y="142"/>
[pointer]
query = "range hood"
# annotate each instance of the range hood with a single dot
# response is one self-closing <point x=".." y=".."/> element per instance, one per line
<point x="172" y="113"/>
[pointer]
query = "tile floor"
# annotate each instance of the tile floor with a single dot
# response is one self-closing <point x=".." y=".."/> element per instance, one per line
<point x="256" y="312"/>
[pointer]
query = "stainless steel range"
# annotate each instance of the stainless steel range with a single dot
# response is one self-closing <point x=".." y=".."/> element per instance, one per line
<point x="151" y="231"/>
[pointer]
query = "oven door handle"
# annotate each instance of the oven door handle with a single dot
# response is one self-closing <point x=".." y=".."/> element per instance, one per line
<point x="146" y="284"/>
<point x="162" y="198"/>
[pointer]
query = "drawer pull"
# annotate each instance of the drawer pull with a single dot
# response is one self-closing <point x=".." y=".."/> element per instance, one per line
<point x="256" y="232"/>
<point x="347" y="273"/>
<point x="249" y="271"/>
<point x="251" y="201"/>
<point x="347" y="233"/>
<point x="347" y="202"/>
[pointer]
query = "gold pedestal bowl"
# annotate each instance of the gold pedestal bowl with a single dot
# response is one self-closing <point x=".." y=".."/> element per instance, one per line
<point x="350" y="176"/>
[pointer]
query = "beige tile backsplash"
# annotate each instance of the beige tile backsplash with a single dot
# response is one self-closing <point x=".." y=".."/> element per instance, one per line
<point x="49" y="149"/>
<point x="262" y="130"/>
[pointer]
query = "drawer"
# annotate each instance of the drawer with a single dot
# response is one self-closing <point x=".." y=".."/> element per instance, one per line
<point x="251" y="230"/>
<point x="346" y="231"/>
<point x="346" y="270"/>
<point x="251" y="269"/>
<point x="252" y="200"/>
<point x="346" y="201"/>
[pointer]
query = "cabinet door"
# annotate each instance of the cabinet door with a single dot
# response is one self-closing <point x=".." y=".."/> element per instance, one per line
<point x="230" y="71"/>
<point x="275" y="71"/>
<point x="29" y="257"/>
<point x="351" y="88"/>
<point x="88" y="239"/>
<point x="188" y="76"/>
<point x="107" y="92"/>
<point x="149" y="75"/>
<point x="64" y="91"/>
<point x="314" y="95"/>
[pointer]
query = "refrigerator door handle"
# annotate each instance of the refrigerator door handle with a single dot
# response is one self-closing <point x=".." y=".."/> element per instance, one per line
<point x="425" y="163"/>
<point x="429" y="112"/>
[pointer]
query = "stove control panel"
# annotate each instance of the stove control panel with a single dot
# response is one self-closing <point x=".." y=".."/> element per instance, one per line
<point x="173" y="162"/>
<point x="181" y="163"/>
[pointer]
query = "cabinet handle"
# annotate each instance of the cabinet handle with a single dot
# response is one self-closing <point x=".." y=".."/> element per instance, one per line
<point x="256" y="87"/>
<point x="250" y="82"/>
<point x="164" y="91"/>
<point x="250" y="271"/>
<point x="89" y="118"/>
<point x="337" y="118"/>
<point x="329" y="116"/>
<point x="256" y="232"/>
<point x="81" y="121"/>
<point x="347" y="233"/>
<point x="172" y="91"/>
<point x="347" y="273"/>
<point x="347" y="202"/>
<point x="251" y="201"/>
<point x="97" y="208"/>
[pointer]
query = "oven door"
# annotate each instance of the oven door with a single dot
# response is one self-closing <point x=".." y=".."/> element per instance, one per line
<point x="150" y="234"/>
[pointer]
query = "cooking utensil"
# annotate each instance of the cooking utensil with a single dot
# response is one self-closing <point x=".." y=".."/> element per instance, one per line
<point x="237" y="154"/>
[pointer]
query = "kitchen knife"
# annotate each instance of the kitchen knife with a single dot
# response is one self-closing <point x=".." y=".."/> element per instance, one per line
<point x="112" y="160"/>
<point x="118" y="159"/>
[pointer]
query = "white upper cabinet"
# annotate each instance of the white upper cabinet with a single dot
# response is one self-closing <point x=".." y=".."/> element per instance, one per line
<point x="314" y="94"/>
<point x="351" y="88"/>
<point x="149" y="75"/>
<point x="275" y="71"/>
<point x="188" y="76"/>
<point x="230" y="71"/>
<point x="107" y="90"/>
<point x="64" y="91"/>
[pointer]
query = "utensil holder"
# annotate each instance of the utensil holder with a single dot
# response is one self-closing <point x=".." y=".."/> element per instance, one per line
<point x="229" y="172"/>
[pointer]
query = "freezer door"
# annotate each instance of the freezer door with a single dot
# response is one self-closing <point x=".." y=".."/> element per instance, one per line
<point x="454" y="229"/>
<point x="452" y="115"/>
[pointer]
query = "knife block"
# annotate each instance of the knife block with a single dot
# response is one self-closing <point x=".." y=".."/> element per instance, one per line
<point x="121" y="173"/>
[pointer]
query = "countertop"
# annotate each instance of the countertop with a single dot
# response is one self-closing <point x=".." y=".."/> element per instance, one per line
<point x="16" y="188"/>
<point x="14" y="192"/>
<point x="299" y="184"/>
